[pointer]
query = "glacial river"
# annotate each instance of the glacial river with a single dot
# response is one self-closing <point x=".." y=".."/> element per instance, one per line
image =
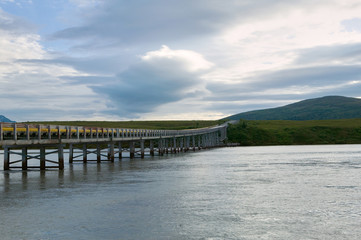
<point x="278" y="192"/>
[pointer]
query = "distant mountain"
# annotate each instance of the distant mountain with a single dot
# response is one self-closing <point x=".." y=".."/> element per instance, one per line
<point x="329" y="107"/>
<point x="5" y="119"/>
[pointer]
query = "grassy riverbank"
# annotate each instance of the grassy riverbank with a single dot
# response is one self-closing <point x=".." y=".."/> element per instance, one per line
<point x="282" y="132"/>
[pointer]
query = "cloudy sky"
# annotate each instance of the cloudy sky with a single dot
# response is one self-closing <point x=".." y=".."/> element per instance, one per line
<point x="172" y="59"/>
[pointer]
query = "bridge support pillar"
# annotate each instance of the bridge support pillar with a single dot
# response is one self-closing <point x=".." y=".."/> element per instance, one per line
<point x="60" y="156"/>
<point x="142" y="148"/>
<point x="174" y="150"/>
<point x="181" y="144"/>
<point x="204" y="141"/>
<point x="99" y="156"/>
<point x="193" y="143"/>
<point x="120" y="150"/>
<point x="160" y="147"/>
<point x="42" y="158"/>
<point x="187" y="143"/>
<point x="166" y="143"/>
<point x="85" y="153"/>
<point x="111" y="152"/>
<point x="6" y="158"/>
<point x="24" y="161"/>
<point x="151" y="147"/>
<point x="131" y="150"/>
<point x="71" y="153"/>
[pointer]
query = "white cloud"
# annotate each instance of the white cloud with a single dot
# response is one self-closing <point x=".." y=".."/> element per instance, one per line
<point x="34" y="91"/>
<point x="272" y="42"/>
<point x="192" y="61"/>
<point x="161" y="77"/>
<point x="86" y="3"/>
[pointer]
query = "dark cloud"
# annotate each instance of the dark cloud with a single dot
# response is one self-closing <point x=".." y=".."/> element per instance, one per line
<point x="89" y="80"/>
<point x="162" y="21"/>
<point x="346" y="53"/>
<point x="140" y="21"/>
<point x="243" y="102"/>
<point x="289" y="85"/>
<point x="147" y="85"/>
<point x="257" y="104"/>
<point x="317" y="76"/>
<point x="91" y="65"/>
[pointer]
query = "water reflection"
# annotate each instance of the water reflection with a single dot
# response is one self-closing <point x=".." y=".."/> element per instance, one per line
<point x="31" y="180"/>
<point x="238" y="193"/>
<point x="73" y="174"/>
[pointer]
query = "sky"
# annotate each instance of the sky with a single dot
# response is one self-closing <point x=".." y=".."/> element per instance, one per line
<point x="170" y="59"/>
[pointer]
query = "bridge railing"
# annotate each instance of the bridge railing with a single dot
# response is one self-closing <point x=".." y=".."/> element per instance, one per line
<point x="21" y="131"/>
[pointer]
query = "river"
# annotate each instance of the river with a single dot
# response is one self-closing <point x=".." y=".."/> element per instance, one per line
<point x="276" y="192"/>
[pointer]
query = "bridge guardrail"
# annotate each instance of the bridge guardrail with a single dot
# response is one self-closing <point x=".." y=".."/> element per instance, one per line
<point x="20" y="131"/>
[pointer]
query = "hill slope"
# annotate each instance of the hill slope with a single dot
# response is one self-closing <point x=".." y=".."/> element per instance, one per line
<point x="330" y="107"/>
<point x="287" y="132"/>
<point x="4" y="119"/>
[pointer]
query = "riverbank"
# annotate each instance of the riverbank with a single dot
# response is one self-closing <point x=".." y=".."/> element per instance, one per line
<point x="283" y="132"/>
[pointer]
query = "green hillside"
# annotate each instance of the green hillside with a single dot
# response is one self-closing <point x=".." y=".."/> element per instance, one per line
<point x="330" y="107"/>
<point x="286" y="132"/>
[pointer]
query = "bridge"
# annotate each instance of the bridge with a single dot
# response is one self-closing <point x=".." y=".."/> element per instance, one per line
<point x="36" y="142"/>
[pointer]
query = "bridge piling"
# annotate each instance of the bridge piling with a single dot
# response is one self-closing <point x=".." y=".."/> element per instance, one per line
<point x="42" y="158"/>
<point x="61" y="156"/>
<point x="120" y="150"/>
<point x="151" y="148"/>
<point x="6" y="158"/>
<point x="111" y="152"/>
<point x="131" y="149"/>
<point x="71" y="153"/>
<point x="99" y="157"/>
<point x="85" y="153"/>
<point x="142" y="148"/>
<point x="24" y="161"/>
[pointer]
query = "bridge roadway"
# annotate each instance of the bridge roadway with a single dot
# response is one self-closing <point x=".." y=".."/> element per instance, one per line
<point x="17" y="138"/>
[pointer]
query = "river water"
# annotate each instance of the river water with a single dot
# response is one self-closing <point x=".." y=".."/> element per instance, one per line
<point x="278" y="192"/>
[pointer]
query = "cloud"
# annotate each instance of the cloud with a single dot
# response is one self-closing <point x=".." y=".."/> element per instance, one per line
<point x="86" y="3"/>
<point x="312" y="78"/>
<point x="100" y="65"/>
<point x="353" y="24"/>
<point x="336" y="54"/>
<point x="31" y="90"/>
<point x="14" y="24"/>
<point x="160" y="77"/>
<point x="130" y="23"/>
<point x="137" y="21"/>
